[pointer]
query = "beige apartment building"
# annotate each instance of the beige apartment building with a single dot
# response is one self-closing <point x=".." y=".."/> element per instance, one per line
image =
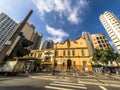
<point x="100" y="41"/>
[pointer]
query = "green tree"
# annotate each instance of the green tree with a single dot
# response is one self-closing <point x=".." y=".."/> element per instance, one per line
<point x="107" y="55"/>
<point x="117" y="57"/>
<point x="96" y="55"/>
<point x="103" y="56"/>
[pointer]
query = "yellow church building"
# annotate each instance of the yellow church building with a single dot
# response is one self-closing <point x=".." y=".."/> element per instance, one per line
<point x="73" y="54"/>
<point x="69" y="54"/>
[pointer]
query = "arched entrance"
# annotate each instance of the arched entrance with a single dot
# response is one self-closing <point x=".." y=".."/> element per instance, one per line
<point x="69" y="64"/>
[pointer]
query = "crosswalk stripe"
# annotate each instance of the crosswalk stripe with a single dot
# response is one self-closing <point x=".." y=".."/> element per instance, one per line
<point x="58" y="88"/>
<point x="64" y="85"/>
<point x="103" y="88"/>
<point x="68" y="86"/>
<point x="69" y="83"/>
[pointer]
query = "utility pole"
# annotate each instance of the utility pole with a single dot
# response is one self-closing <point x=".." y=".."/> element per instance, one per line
<point x="9" y="48"/>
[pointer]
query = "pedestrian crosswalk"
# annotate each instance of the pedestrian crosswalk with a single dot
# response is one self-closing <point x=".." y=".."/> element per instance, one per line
<point x="64" y="85"/>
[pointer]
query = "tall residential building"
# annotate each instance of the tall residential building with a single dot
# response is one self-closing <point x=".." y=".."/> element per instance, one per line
<point x="89" y="43"/>
<point x="6" y="29"/>
<point x="100" y="41"/>
<point x="112" y="25"/>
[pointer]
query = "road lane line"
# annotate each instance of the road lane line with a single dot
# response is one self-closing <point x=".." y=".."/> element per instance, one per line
<point x="58" y="88"/>
<point x="103" y="88"/>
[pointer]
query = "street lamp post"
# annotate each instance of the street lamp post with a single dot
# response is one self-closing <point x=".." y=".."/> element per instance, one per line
<point x="68" y="62"/>
<point x="54" y="63"/>
<point x="68" y="44"/>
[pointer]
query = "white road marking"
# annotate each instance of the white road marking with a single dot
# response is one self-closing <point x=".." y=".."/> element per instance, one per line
<point x="95" y="83"/>
<point x="63" y="85"/>
<point x="103" y="88"/>
<point x="57" y="88"/>
<point x="77" y="74"/>
<point x="69" y="83"/>
<point x="68" y="86"/>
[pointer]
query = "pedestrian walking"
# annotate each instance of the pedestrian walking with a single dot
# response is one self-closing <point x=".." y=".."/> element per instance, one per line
<point x="103" y="69"/>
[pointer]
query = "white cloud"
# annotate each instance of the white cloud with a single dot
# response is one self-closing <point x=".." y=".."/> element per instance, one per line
<point x="73" y="18"/>
<point x="73" y="14"/>
<point x="57" y="35"/>
<point x="77" y="12"/>
<point x="58" y="5"/>
<point x="46" y="6"/>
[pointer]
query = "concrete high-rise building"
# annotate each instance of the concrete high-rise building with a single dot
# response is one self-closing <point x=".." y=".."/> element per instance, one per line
<point x="89" y="43"/>
<point x="100" y="41"/>
<point x="112" y="25"/>
<point x="47" y="45"/>
<point x="41" y="46"/>
<point x="28" y="31"/>
<point x="37" y="41"/>
<point x="6" y="29"/>
<point x="14" y="38"/>
<point x="44" y="45"/>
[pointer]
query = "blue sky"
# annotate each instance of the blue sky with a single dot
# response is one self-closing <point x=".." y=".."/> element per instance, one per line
<point x="62" y="19"/>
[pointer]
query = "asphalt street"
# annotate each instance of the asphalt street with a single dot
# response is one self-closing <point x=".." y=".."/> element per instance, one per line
<point x="66" y="81"/>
